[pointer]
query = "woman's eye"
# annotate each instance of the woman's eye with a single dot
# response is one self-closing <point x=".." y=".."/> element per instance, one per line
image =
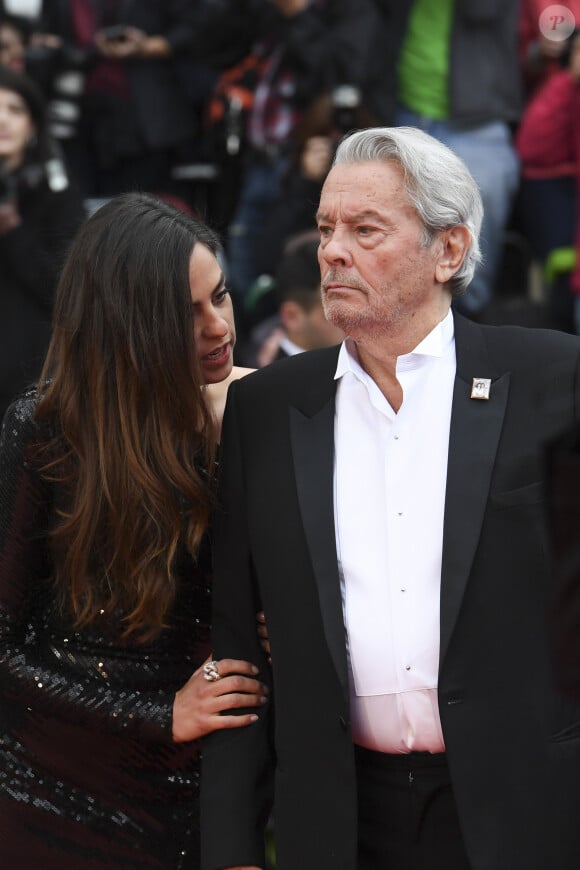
<point x="220" y="297"/>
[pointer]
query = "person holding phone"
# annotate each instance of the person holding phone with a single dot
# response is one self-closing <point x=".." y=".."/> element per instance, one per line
<point x="135" y="117"/>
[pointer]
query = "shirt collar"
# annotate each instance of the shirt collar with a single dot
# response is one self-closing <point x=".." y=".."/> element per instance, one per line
<point x="289" y="347"/>
<point x="435" y="344"/>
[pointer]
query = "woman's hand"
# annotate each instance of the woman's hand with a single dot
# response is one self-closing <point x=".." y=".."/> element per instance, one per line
<point x="263" y="633"/>
<point x="199" y="705"/>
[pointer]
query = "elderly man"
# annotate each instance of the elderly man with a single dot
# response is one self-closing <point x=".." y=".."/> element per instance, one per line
<point x="382" y="503"/>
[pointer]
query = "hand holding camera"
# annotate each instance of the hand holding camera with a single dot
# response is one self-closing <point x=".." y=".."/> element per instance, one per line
<point x="120" y="42"/>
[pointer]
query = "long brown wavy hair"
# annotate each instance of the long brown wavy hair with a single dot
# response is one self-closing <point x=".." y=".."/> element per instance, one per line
<point x="134" y="442"/>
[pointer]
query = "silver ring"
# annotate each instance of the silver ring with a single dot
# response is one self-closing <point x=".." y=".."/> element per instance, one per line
<point x="210" y="672"/>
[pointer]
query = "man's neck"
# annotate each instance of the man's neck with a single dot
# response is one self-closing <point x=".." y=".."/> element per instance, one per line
<point x="378" y="353"/>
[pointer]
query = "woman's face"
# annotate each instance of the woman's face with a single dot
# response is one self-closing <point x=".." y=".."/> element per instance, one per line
<point x="213" y="315"/>
<point x="16" y="129"/>
<point x="12" y="48"/>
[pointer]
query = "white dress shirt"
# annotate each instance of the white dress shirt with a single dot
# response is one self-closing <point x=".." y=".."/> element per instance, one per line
<point x="289" y="347"/>
<point x="389" y="497"/>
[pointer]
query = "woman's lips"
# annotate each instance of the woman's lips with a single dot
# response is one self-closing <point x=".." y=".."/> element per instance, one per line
<point x="218" y="357"/>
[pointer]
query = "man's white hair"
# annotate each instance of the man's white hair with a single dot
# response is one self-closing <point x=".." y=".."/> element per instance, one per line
<point x="438" y="183"/>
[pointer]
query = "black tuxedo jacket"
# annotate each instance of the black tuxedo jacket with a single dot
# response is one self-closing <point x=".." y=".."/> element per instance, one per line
<point x="513" y="743"/>
<point x="563" y="510"/>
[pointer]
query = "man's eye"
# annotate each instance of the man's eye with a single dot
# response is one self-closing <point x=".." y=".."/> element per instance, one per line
<point x="324" y="231"/>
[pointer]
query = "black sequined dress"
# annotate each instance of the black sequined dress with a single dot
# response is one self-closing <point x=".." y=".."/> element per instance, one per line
<point x="89" y="775"/>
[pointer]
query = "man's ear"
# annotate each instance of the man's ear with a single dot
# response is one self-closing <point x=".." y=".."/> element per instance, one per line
<point x="291" y="315"/>
<point x="455" y="243"/>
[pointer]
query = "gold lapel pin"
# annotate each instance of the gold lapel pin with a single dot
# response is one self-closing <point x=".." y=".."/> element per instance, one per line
<point x="480" y="388"/>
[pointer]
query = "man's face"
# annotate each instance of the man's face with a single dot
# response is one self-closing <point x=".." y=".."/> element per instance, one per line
<point x="376" y="272"/>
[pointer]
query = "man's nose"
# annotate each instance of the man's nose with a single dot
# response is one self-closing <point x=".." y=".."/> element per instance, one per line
<point x="336" y="249"/>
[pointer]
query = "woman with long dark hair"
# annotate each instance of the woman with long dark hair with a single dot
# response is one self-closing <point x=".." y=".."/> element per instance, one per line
<point x="106" y="489"/>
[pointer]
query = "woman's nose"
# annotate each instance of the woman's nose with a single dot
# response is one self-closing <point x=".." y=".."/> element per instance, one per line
<point x="215" y="323"/>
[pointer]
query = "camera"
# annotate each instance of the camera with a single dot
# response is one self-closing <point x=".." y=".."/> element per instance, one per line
<point x="346" y="101"/>
<point x="115" y="33"/>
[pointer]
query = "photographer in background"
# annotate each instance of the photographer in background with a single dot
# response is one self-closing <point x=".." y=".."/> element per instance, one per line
<point x="132" y="119"/>
<point x="292" y="213"/>
<point x="39" y="213"/>
<point x="329" y="118"/>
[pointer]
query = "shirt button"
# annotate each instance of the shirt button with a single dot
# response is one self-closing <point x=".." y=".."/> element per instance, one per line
<point x="407" y="667"/>
<point x="403" y="590"/>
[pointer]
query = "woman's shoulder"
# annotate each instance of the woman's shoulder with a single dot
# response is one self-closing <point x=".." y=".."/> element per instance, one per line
<point x="239" y="372"/>
<point x="220" y="389"/>
<point x="22" y="409"/>
<point x="217" y="393"/>
<point x="20" y="426"/>
<point x="20" y="431"/>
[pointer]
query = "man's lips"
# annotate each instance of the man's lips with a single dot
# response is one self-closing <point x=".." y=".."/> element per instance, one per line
<point x="338" y="287"/>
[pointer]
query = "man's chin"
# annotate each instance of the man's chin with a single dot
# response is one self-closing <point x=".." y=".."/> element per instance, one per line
<point x="346" y="317"/>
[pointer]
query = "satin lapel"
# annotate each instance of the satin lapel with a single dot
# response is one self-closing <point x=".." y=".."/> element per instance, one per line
<point x="312" y="438"/>
<point x="473" y="440"/>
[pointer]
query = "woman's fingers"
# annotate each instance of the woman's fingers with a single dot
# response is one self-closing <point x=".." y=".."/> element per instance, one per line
<point x="263" y="633"/>
<point x="239" y="684"/>
<point x="245" y="719"/>
<point x="199" y="705"/>
<point x="234" y="701"/>
<point x="235" y="666"/>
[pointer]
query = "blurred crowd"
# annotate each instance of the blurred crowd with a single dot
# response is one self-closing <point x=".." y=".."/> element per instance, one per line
<point x="232" y="109"/>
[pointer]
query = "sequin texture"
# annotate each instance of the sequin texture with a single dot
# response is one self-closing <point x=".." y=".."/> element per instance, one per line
<point x="89" y="775"/>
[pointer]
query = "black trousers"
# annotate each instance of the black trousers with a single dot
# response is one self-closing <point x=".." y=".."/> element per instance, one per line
<point x="407" y="816"/>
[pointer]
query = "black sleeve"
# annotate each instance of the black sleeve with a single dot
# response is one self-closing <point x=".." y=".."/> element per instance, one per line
<point x="30" y="677"/>
<point x="237" y="764"/>
<point x="563" y="518"/>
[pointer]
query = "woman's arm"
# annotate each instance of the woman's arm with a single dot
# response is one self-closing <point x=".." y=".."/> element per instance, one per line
<point x="32" y="677"/>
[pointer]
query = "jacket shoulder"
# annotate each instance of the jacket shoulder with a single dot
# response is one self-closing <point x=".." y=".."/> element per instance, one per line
<point x="524" y="344"/>
<point x="295" y="370"/>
